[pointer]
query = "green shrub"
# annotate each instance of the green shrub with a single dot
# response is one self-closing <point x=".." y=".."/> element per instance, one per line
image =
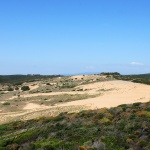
<point x="6" y="103"/>
<point x="16" y="88"/>
<point x="3" y="144"/>
<point x="26" y="136"/>
<point x="47" y="144"/>
<point x="137" y="104"/>
<point x="3" y="128"/>
<point x="25" y="88"/>
<point x="10" y="89"/>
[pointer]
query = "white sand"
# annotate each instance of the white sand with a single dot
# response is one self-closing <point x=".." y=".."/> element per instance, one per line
<point x="119" y="92"/>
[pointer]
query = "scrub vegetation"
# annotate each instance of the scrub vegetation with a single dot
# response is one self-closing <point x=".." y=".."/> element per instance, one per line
<point x="120" y="128"/>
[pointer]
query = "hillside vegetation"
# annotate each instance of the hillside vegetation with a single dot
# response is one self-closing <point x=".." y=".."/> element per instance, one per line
<point x="120" y="128"/>
<point x="19" y="79"/>
<point x="141" y="78"/>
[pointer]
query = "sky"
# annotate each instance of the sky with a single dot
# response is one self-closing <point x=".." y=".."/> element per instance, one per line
<point x="74" y="36"/>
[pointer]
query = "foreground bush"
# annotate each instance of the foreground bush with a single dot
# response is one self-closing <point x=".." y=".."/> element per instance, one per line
<point x="104" y="129"/>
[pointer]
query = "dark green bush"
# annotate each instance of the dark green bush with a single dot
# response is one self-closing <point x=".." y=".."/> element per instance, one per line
<point x="25" y="88"/>
<point x="10" y="89"/>
<point x="6" y="103"/>
<point x="137" y="104"/>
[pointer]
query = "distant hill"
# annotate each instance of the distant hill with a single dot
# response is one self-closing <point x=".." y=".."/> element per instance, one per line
<point x="19" y="79"/>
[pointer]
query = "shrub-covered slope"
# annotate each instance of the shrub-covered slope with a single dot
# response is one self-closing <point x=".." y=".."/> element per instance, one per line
<point x="141" y="78"/>
<point x="137" y="78"/>
<point x="120" y="128"/>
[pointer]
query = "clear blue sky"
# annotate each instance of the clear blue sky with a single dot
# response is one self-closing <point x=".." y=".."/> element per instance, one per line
<point x="73" y="36"/>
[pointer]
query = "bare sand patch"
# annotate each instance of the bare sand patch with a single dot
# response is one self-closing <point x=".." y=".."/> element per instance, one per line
<point x="33" y="87"/>
<point x="33" y="106"/>
<point x="123" y="92"/>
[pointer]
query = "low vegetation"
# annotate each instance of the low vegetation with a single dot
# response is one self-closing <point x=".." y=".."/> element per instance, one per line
<point x="135" y="79"/>
<point x="120" y="128"/>
<point x="140" y="78"/>
<point x="6" y="103"/>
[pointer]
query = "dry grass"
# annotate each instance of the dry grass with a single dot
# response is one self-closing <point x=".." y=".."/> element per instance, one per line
<point x="5" y="118"/>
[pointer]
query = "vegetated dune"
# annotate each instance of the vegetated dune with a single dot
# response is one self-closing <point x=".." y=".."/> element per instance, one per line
<point x="125" y="127"/>
<point x="108" y="94"/>
<point x="46" y="94"/>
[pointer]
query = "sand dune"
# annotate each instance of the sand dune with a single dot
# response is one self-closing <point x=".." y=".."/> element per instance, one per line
<point x="119" y="92"/>
<point x="111" y="94"/>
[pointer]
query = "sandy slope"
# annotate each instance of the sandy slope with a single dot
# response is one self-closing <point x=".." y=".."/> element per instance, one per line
<point x="115" y="93"/>
<point x="112" y="93"/>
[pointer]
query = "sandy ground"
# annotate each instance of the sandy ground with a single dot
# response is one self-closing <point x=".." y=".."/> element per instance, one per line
<point x="33" y="87"/>
<point x="112" y="93"/>
<point x="79" y="77"/>
<point x="46" y="94"/>
<point x="33" y="106"/>
<point x="115" y="93"/>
